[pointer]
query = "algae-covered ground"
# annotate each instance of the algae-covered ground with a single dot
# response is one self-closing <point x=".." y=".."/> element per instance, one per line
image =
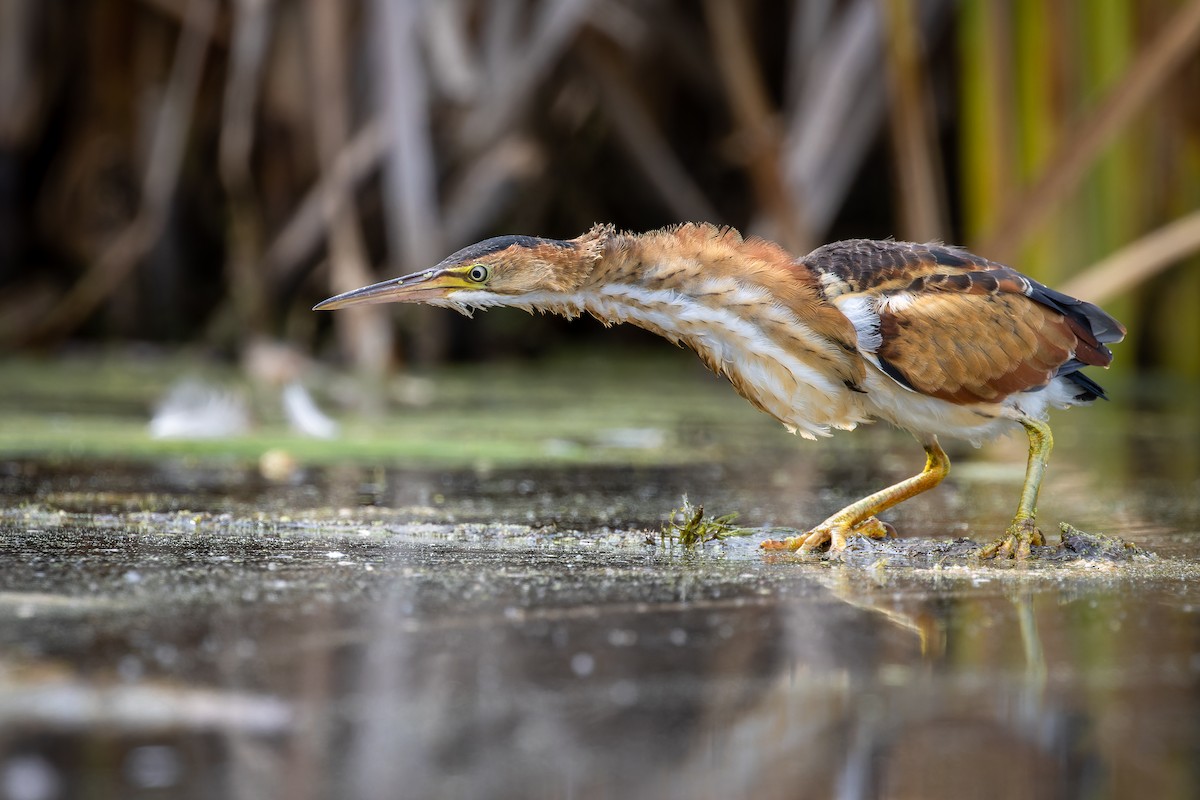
<point x="471" y="594"/>
<point x="585" y="409"/>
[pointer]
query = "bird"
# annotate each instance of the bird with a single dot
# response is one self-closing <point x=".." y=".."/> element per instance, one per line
<point x="928" y="337"/>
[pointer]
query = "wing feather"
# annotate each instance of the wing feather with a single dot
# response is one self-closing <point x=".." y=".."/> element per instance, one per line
<point x="959" y="327"/>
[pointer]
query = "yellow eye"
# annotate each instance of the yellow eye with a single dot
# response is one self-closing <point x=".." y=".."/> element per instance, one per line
<point x="479" y="273"/>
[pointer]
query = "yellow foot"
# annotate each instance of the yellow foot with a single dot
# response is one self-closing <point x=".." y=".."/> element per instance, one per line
<point x="833" y="535"/>
<point x="1017" y="542"/>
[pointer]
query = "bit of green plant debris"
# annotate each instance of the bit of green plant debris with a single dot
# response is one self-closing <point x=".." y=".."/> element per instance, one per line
<point x="688" y="526"/>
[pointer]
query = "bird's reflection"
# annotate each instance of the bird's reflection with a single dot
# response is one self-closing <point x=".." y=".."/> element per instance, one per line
<point x="369" y="665"/>
<point x="834" y="687"/>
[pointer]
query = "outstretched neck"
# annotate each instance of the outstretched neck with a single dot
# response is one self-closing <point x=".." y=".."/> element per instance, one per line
<point x="742" y="304"/>
<point x="684" y="258"/>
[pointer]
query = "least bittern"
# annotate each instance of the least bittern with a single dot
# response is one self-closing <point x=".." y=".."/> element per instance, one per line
<point x="930" y="338"/>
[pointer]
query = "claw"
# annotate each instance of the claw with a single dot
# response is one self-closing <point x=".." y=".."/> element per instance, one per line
<point x="874" y="528"/>
<point x="1017" y="543"/>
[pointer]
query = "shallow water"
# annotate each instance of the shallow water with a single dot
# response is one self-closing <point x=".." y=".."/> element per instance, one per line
<point x="181" y="625"/>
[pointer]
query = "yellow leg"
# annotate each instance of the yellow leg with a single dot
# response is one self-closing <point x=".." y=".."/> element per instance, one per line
<point x="1023" y="533"/>
<point x="859" y="517"/>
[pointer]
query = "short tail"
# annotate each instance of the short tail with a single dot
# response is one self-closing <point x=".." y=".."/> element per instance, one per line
<point x="1086" y="390"/>
<point x="1094" y="328"/>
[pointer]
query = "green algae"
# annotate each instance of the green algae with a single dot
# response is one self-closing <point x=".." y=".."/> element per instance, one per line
<point x="689" y="526"/>
<point x="577" y="410"/>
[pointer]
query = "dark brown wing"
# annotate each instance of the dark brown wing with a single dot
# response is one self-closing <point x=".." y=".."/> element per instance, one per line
<point x="959" y="327"/>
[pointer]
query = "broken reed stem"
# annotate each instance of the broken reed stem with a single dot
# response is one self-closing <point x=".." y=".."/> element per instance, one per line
<point x="1136" y="263"/>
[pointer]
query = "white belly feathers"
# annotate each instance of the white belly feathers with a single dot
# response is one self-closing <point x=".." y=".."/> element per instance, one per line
<point x="782" y="382"/>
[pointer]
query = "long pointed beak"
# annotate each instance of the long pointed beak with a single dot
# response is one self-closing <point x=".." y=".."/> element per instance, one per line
<point x="420" y="287"/>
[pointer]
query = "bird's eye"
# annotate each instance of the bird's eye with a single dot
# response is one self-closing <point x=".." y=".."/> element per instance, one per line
<point x="478" y="273"/>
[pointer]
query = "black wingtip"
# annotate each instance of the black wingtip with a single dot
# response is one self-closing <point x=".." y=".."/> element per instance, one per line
<point x="1104" y="327"/>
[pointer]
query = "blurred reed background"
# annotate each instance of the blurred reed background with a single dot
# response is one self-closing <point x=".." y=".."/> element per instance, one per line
<point x="203" y="171"/>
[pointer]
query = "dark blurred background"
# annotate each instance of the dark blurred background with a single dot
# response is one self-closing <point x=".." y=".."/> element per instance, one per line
<point x="202" y="171"/>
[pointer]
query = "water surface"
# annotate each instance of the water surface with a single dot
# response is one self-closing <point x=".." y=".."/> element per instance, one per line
<point x="180" y="624"/>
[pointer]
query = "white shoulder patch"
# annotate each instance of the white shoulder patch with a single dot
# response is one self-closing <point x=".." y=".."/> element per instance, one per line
<point x="896" y="303"/>
<point x="860" y="310"/>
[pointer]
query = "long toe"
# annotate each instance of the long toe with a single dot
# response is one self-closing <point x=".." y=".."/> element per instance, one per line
<point x="790" y="543"/>
<point x="808" y="542"/>
<point x="1001" y="548"/>
<point x="1027" y="535"/>
<point x="821" y="536"/>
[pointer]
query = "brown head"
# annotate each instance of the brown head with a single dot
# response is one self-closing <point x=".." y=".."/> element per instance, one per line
<point x="505" y="270"/>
